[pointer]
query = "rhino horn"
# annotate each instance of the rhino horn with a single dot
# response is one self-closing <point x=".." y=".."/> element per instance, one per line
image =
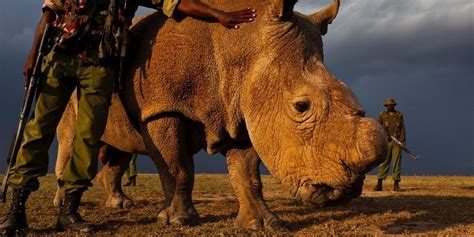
<point x="325" y="16"/>
<point x="282" y="9"/>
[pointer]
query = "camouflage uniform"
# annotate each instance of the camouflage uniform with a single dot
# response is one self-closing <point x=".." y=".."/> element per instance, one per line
<point x="85" y="61"/>
<point x="395" y="126"/>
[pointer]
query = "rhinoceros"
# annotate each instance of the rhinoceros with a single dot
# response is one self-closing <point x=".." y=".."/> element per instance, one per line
<point x="260" y="93"/>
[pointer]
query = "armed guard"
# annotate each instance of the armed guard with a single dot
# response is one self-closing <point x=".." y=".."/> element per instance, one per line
<point x="85" y="57"/>
<point x="392" y="121"/>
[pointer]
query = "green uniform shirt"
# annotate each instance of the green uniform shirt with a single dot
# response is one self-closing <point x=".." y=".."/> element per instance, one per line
<point x="168" y="6"/>
<point x="393" y="124"/>
<point x="98" y="41"/>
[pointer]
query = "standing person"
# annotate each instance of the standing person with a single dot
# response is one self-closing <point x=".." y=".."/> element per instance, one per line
<point x="392" y="121"/>
<point x="84" y="57"/>
<point x="131" y="172"/>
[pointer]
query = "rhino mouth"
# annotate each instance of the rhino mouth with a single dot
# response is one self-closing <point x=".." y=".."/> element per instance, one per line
<point x="324" y="195"/>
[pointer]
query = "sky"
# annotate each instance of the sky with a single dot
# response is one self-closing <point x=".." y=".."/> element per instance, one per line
<point x="420" y="52"/>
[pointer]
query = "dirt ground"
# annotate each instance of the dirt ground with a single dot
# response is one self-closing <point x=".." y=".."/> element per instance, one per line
<point x="427" y="205"/>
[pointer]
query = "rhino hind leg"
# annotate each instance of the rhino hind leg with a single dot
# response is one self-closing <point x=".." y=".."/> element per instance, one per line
<point x="243" y="164"/>
<point x="110" y="176"/>
<point x="64" y="154"/>
<point x="65" y="136"/>
<point x="169" y="145"/>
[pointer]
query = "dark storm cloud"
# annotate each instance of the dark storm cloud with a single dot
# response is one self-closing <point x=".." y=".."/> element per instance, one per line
<point x="379" y="36"/>
<point x="419" y="51"/>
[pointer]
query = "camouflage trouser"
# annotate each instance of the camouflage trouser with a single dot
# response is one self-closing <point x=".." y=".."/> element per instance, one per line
<point x="132" y="169"/>
<point x="394" y="156"/>
<point x="62" y="74"/>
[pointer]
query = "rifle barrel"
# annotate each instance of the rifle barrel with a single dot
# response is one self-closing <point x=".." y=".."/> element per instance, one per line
<point x="28" y="100"/>
<point x="412" y="154"/>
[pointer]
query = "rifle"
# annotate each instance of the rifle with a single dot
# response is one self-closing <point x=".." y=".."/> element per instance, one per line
<point x="47" y="42"/>
<point x="412" y="154"/>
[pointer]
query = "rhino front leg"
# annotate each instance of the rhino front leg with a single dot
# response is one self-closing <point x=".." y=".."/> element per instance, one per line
<point x="169" y="144"/>
<point x="110" y="177"/>
<point x="168" y="182"/>
<point x="243" y="164"/>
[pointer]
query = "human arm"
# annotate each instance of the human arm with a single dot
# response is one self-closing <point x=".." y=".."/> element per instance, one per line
<point x="380" y="119"/>
<point x="196" y="8"/>
<point x="47" y="18"/>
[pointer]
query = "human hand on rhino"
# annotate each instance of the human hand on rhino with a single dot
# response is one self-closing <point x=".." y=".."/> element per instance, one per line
<point x="231" y="20"/>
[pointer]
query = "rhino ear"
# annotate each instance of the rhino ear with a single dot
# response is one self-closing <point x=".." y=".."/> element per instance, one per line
<point x="325" y="17"/>
<point x="282" y="9"/>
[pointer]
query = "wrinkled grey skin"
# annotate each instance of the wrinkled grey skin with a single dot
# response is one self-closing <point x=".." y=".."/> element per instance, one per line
<point x="260" y="93"/>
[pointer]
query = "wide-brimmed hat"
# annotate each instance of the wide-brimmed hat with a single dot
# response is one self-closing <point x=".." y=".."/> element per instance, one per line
<point x="390" y="101"/>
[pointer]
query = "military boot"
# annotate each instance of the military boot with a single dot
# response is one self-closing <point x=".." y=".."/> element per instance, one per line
<point x="69" y="218"/>
<point x="15" y="222"/>
<point x="378" y="187"/>
<point x="396" y="186"/>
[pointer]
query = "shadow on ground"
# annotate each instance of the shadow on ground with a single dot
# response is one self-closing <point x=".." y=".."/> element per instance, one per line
<point x="468" y="188"/>
<point x="426" y="213"/>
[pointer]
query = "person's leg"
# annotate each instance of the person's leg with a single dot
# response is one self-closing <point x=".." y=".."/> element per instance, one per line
<point x="94" y="93"/>
<point x="130" y="172"/>
<point x="383" y="169"/>
<point x="382" y="172"/>
<point x="397" y="166"/>
<point x="133" y="171"/>
<point x="32" y="159"/>
<point x="127" y="175"/>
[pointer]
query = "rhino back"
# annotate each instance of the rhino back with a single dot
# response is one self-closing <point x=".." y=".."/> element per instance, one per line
<point x="192" y="68"/>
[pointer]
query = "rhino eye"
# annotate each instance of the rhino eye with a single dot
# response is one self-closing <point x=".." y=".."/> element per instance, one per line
<point x="301" y="106"/>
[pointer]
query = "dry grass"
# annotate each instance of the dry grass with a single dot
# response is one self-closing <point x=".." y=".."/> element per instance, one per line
<point x="428" y="205"/>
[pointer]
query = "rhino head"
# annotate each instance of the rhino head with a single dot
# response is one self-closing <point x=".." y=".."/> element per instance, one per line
<point x="307" y="127"/>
